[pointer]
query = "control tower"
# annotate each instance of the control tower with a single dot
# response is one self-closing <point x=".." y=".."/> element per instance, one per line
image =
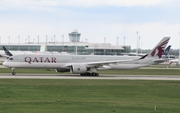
<point x="74" y="36"/>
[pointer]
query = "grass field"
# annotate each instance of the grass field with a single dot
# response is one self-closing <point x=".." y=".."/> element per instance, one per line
<point x="88" y="96"/>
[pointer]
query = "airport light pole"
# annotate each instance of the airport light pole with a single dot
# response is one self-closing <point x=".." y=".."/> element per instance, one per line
<point x="62" y="43"/>
<point x="46" y="41"/>
<point x="9" y="42"/>
<point x="19" y="42"/>
<point x="38" y="42"/>
<point x="28" y="42"/>
<point x="54" y="41"/>
<point x="141" y="46"/>
<point x="124" y="41"/>
<point x="117" y="40"/>
<point x="137" y="43"/>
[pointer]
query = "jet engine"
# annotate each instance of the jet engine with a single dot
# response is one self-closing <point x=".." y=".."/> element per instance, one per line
<point x="78" y="68"/>
<point x="61" y="70"/>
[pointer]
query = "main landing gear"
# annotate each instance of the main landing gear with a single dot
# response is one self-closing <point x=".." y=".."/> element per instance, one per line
<point x="13" y="71"/>
<point x="89" y="74"/>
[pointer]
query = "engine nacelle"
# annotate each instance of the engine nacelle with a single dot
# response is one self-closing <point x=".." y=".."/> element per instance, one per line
<point x="61" y="70"/>
<point x="78" y="68"/>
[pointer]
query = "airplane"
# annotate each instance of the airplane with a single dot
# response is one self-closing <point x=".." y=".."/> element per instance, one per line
<point x="86" y="65"/>
<point x="166" y="52"/>
<point x="174" y="62"/>
<point x="7" y="53"/>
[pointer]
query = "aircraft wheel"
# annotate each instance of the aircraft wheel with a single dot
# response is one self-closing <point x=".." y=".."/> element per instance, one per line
<point x="83" y="74"/>
<point x="93" y="74"/>
<point x="97" y="74"/>
<point x="88" y="74"/>
<point x="13" y="73"/>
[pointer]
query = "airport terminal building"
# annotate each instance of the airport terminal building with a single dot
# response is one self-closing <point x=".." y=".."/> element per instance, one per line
<point x="83" y="48"/>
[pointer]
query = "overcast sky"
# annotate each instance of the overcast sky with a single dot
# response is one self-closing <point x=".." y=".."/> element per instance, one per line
<point x="94" y="19"/>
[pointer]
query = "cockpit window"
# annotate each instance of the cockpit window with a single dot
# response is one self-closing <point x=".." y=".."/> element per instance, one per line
<point x="10" y="58"/>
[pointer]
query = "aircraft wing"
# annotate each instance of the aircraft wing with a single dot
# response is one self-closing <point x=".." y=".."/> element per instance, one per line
<point x="101" y="63"/>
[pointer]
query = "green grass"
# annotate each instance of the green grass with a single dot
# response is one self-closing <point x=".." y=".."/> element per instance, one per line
<point x="88" y="96"/>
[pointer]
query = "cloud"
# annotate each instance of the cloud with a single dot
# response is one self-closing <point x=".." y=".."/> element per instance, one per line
<point x="124" y="3"/>
<point x="83" y="3"/>
<point x="23" y="18"/>
<point x="150" y="33"/>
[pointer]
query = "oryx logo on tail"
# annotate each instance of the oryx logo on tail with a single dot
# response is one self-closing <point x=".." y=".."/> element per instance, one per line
<point x="159" y="49"/>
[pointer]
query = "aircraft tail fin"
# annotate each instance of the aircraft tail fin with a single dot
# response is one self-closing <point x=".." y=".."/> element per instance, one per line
<point x="166" y="52"/>
<point x="159" y="49"/>
<point x="7" y="51"/>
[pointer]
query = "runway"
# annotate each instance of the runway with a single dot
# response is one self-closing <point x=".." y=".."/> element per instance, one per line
<point x="102" y="76"/>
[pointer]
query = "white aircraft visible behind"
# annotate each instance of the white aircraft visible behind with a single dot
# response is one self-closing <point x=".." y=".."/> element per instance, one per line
<point x="174" y="62"/>
<point x="84" y="64"/>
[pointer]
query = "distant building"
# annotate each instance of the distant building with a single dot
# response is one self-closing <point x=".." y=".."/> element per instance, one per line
<point x="74" y="36"/>
<point x="83" y="48"/>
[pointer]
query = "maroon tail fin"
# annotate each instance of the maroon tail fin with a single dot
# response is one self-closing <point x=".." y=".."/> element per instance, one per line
<point x="159" y="48"/>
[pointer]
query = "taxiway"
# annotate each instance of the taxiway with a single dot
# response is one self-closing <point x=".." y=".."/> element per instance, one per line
<point x="102" y="76"/>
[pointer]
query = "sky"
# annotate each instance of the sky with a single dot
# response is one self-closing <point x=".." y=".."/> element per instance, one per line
<point x="96" y="20"/>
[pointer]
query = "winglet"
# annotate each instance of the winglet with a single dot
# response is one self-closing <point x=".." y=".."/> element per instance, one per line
<point x="7" y="52"/>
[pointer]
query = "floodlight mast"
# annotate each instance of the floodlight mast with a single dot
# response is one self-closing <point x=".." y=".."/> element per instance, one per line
<point x="54" y="41"/>
<point x="9" y="42"/>
<point x="117" y="40"/>
<point x="137" y="43"/>
<point x="124" y="41"/>
<point x="62" y="43"/>
<point x="28" y="42"/>
<point x="19" y="42"/>
<point x="38" y="42"/>
<point x="76" y="41"/>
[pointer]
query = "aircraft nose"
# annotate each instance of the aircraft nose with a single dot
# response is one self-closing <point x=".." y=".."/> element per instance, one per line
<point x="5" y="64"/>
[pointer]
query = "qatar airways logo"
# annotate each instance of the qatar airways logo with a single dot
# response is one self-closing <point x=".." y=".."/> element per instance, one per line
<point x="159" y="49"/>
<point x="40" y="59"/>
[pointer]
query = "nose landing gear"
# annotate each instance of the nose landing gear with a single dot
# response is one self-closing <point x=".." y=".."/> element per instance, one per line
<point x="13" y="71"/>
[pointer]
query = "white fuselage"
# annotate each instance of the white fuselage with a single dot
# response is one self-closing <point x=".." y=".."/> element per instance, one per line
<point x="60" y="61"/>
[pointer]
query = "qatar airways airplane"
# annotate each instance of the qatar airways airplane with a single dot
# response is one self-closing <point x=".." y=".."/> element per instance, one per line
<point x="86" y="64"/>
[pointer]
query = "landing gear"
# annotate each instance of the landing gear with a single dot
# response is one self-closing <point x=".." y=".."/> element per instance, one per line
<point x="13" y="71"/>
<point x="89" y="74"/>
